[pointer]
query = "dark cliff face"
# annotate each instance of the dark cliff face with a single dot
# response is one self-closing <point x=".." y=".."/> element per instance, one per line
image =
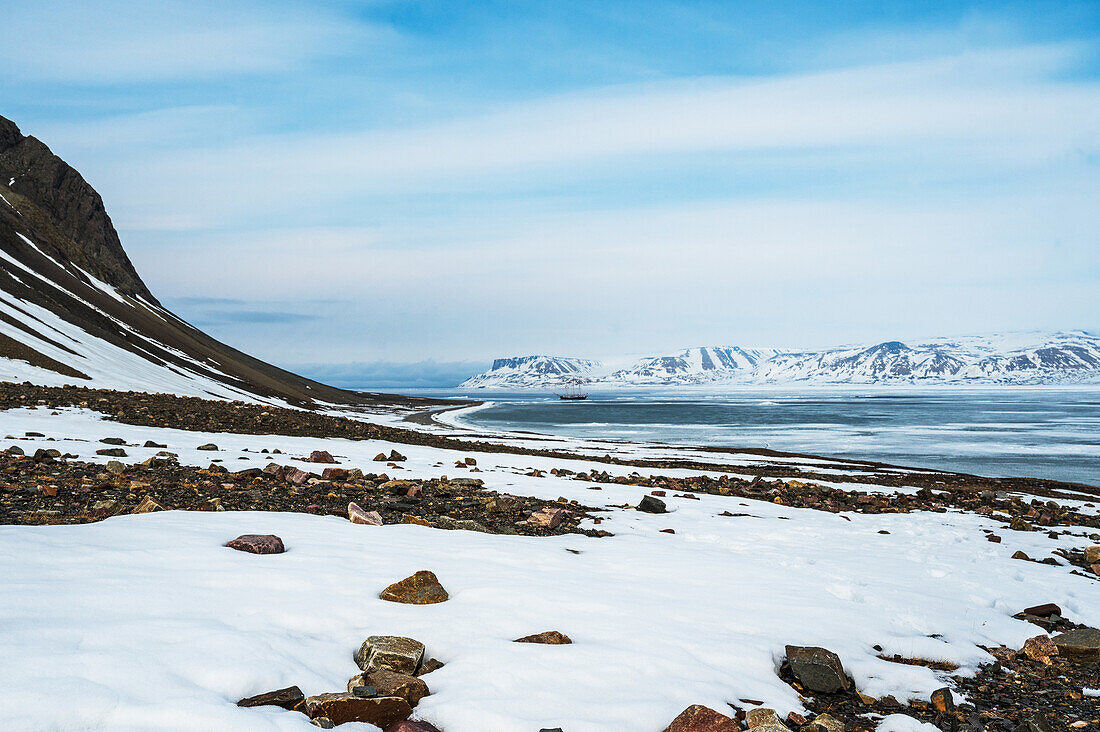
<point x="65" y="210"/>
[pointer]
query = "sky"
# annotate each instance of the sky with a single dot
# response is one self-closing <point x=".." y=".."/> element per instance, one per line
<point x="446" y="182"/>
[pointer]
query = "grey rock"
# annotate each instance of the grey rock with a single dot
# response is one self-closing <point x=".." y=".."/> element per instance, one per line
<point x="817" y="669"/>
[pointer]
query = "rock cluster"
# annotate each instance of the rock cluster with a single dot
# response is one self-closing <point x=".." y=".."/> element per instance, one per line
<point x="53" y="488"/>
<point x="384" y="694"/>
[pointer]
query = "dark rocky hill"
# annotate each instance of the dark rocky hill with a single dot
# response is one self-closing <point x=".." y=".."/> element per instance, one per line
<point x="74" y="310"/>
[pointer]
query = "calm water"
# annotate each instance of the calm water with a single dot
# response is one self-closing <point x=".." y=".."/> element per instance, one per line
<point x="1047" y="432"/>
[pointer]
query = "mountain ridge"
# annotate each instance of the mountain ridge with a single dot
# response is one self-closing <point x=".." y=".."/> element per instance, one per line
<point x="1060" y="357"/>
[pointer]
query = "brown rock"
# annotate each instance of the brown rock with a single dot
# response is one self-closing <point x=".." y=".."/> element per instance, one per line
<point x="392" y="652"/>
<point x="1020" y="555"/>
<point x="422" y="588"/>
<point x="323" y="723"/>
<point x="817" y="669"/>
<point x="380" y="457"/>
<point x="408" y="518"/>
<point x="829" y="723"/>
<point x="334" y="474"/>
<point x="432" y="664"/>
<point x="147" y="505"/>
<point x="1043" y="611"/>
<point x="762" y="717"/>
<point x="549" y="637"/>
<point x="381" y="711"/>
<point x="210" y="447"/>
<point x="390" y="683"/>
<point x="698" y="718"/>
<point x="358" y="516"/>
<point x="1092" y="554"/>
<point x="942" y="700"/>
<point x="288" y="698"/>
<point x="547" y="517"/>
<point x="1082" y="644"/>
<point x="1040" y="648"/>
<point x="410" y="725"/>
<point x="257" y="544"/>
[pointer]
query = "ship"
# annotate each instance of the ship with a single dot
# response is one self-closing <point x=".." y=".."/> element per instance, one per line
<point x="572" y="392"/>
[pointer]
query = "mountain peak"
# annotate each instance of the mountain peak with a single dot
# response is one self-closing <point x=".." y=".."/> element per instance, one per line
<point x="55" y="204"/>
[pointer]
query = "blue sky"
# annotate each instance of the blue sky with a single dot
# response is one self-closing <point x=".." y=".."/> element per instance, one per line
<point x="401" y="181"/>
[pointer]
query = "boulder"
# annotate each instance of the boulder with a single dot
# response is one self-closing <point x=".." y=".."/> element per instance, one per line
<point x="323" y="723"/>
<point x="147" y="505"/>
<point x="547" y="517"/>
<point x="396" y="457"/>
<point x="1043" y="611"/>
<point x="391" y="652"/>
<point x="381" y="711"/>
<point x="321" y="456"/>
<point x="1034" y="723"/>
<point x="420" y="589"/>
<point x="698" y="718"/>
<point x="288" y="698"/>
<point x="107" y="507"/>
<point x="549" y="637"/>
<point x="432" y="664"/>
<point x="118" y="441"/>
<point x="114" y="467"/>
<point x="829" y="723"/>
<point x="817" y="669"/>
<point x="1040" y="648"/>
<point x="762" y="717"/>
<point x="380" y="457"/>
<point x="1092" y="555"/>
<point x="150" y="443"/>
<point x="942" y="700"/>
<point x="334" y="474"/>
<point x="111" y="452"/>
<point x="297" y="476"/>
<point x="409" y="725"/>
<point x="209" y="447"/>
<point x="257" y="544"/>
<point x="1082" y="644"/>
<point x="391" y="683"/>
<point x="358" y="516"/>
<point x="649" y="504"/>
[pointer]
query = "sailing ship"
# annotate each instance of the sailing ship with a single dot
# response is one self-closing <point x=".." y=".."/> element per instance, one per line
<point x="571" y="392"/>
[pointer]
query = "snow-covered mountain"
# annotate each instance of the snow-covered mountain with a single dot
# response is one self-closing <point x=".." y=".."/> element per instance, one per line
<point x="526" y="372"/>
<point x="73" y="309"/>
<point x="703" y="365"/>
<point x="1066" y="357"/>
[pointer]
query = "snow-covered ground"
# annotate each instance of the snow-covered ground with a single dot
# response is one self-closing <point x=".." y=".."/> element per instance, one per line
<point x="148" y="622"/>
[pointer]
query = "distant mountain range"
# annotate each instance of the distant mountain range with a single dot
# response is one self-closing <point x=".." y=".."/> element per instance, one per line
<point x="1068" y="357"/>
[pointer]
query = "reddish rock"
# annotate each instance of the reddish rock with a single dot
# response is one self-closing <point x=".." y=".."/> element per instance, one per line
<point x="391" y="683"/>
<point x="549" y="637"/>
<point x="668" y="531"/>
<point x="659" y="494"/>
<point x="381" y="711"/>
<point x="358" y="516"/>
<point x="334" y="474"/>
<point x="321" y="456"/>
<point x="422" y="588"/>
<point x="415" y="491"/>
<point x="698" y="718"/>
<point x="257" y="544"/>
<point x="297" y="476"/>
<point x="547" y="517"/>
<point x="288" y="698"/>
<point x="1043" y="611"/>
<point x="409" y="725"/>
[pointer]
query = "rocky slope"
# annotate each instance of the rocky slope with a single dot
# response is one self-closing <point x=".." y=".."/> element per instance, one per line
<point x="1030" y="358"/>
<point x="74" y="310"/>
